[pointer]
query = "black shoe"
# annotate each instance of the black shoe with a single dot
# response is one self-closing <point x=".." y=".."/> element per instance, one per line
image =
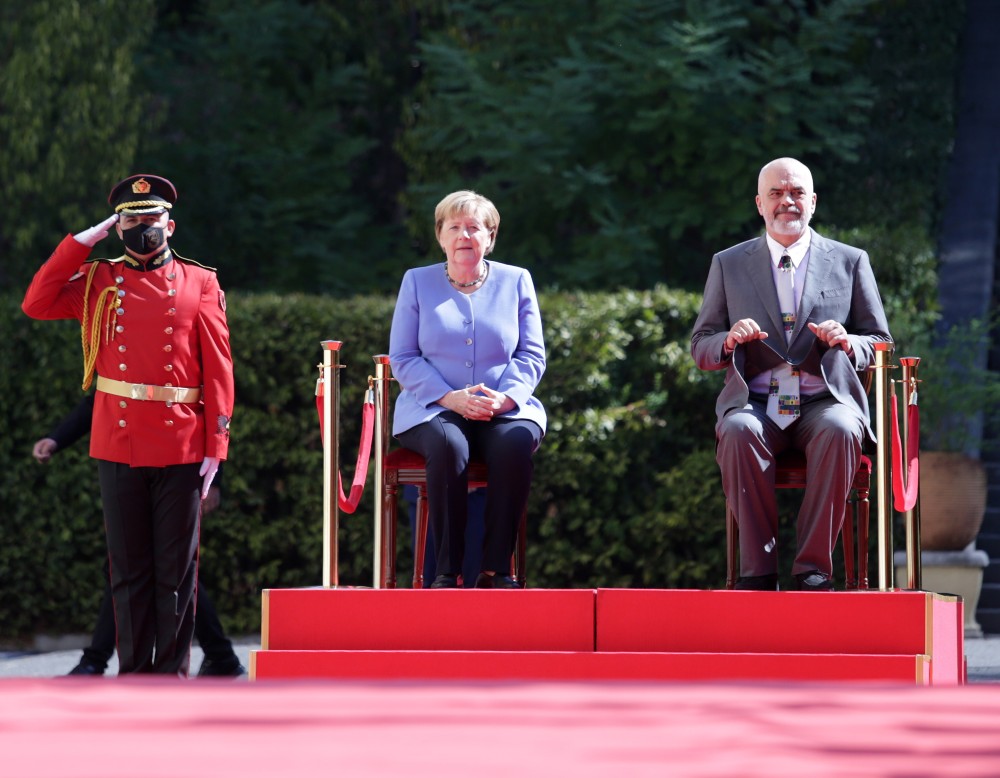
<point x="496" y="581"/>
<point x="813" y="581"/>
<point x="221" y="668"/>
<point x="757" y="583"/>
<point x="86" y="667"/>
<point x="445" y="582"/>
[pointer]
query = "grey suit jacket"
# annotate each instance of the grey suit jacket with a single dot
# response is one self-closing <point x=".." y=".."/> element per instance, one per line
<point x="839" y="285"/>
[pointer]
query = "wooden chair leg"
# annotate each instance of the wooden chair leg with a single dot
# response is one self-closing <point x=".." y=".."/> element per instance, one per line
<point x="389" y="512"/>
<point x="420" y="538"/>
<point x="732" y="547"/>
<point x="847" y="533"/>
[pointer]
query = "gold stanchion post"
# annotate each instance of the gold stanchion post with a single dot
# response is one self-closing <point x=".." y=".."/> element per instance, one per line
<point x="329" y="387"/>
<point x="883" y="465"/>
<point x="384" y="546"/>
<point x="911" y="518"/>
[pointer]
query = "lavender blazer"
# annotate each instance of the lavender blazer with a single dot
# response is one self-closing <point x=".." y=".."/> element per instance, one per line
<point x="442" y="340"/>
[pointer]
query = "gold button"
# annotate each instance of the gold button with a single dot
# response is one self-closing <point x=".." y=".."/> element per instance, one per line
<point x="169" y="422"/>
<point x="168" y="368"/>
<point x="119" y="328"/>
<point x="169" y="330"/>
<point x="168" y="347"/>
<point x="121" y="348"/>
<point x="119" y="279"/>
<point x="172" y="293"/>
<point x="121" y="292"/>
<point x="122" y="404"/>
<point x="120" y="311"/>
<point x="123" y="367"/>
<point x="121" y="422"/>
<point x="171" y="276"/>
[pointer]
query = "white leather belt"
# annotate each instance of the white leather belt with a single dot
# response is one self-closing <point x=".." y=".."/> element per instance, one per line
<point x="176" y="394"/>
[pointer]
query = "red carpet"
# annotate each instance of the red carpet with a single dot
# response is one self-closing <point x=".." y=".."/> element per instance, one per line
<point x="124" y="729"/>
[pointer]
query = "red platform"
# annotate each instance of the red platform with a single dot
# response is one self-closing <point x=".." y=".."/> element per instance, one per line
<point x="610" y="634"/>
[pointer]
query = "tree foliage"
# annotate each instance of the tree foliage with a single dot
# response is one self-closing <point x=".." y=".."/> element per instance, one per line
<point x="623" y="140"/>
<point x="276" y="122"/>
<point x="71" y="115"/>
<point x="310" y="139"/>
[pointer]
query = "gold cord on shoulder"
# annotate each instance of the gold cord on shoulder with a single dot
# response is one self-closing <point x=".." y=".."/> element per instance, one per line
<point x="90" y="334"/>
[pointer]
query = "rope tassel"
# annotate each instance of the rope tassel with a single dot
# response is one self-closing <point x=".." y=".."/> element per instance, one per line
<point x="90" y="336"/>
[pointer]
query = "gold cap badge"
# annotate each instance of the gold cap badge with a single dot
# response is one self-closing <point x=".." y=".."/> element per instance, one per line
<point x="141" y="186"/>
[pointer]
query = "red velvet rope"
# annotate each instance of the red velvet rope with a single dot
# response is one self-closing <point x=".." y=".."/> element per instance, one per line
<point x="350" y="504"/>
<point x="904" y="492"/>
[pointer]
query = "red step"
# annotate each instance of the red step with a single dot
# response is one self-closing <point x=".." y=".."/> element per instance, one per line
<point x="910" y="637"/>
<point x="763" y="622"/>
<point x="424" y="619"/>
<point x="587" y="666"/>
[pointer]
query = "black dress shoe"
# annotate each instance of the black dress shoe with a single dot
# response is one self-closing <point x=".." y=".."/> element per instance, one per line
<point x="496" y="581"/>
<point x="445" y="582"/>
<point x="221" y="668"/>
<point x="86" y="667"/>
<point x="757" y="583"/>
<point x="813" y="581"/>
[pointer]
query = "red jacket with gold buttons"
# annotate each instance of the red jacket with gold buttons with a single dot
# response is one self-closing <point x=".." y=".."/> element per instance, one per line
<point x="167" y="328"/>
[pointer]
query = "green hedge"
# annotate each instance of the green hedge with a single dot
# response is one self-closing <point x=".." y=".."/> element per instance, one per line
<point x="626" y="490"/>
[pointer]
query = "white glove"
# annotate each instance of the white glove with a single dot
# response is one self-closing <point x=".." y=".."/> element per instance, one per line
<point x="94" y="235"/>
<point x="209" y="467"/>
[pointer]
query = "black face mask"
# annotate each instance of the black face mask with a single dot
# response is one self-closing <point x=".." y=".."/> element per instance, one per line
<point x="144" y="238"/>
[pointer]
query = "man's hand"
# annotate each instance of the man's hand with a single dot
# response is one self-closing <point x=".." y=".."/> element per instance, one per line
<point x="832" y="333"/>
<point x="94" y="235"/>
<point x="44" y="449"/>
<point x="744" y="331"/>
<point x="209" y="467"/>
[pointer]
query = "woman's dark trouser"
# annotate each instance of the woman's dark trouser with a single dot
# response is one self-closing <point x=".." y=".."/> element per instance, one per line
<point x="151" y="517"/>
<point x="447" y="442"/>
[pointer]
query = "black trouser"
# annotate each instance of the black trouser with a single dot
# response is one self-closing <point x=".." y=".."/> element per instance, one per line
<point x="207" y="630"/>
<point x="506" y="445"/>
<point x="151" y="517"/>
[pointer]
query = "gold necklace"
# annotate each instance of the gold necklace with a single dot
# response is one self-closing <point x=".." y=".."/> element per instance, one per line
<point x="460" y="285"/>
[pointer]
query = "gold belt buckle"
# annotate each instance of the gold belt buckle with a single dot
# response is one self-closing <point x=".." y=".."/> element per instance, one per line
<point x="141" y="391"/>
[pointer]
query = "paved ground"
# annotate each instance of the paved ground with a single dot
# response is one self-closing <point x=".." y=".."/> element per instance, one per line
<point x="982" y="655"/>
<point x="46" y="664"/>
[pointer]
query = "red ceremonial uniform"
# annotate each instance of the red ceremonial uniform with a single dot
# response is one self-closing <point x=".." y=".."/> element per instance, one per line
<point x="162" y="326"/>
<point x="154" y="329"/>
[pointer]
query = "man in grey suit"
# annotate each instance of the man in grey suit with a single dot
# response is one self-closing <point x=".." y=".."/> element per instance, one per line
<point x="792" y="317"/>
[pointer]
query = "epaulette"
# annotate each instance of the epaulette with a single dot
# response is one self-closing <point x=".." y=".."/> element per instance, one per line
<point x="194" y="262"/>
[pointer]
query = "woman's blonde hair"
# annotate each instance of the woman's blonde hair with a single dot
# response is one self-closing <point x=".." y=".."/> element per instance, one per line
<point x="467" y="202"/>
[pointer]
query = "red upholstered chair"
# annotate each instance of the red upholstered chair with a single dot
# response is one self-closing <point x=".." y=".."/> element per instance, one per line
<point x="405" y="467"/>
<point x="791" y="474"/>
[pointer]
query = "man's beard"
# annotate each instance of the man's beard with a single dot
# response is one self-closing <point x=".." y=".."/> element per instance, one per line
<point x="795" y="227"/>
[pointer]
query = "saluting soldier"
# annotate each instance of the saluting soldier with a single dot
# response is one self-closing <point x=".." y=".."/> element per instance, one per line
<point x="154" y="330"/>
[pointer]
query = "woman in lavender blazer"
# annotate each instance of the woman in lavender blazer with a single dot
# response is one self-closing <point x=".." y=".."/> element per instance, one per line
<point x="466" y="347"/>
